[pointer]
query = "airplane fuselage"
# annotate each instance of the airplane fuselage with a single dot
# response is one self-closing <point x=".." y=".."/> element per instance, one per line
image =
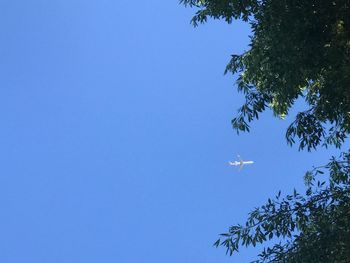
<point x="240" y="163"/>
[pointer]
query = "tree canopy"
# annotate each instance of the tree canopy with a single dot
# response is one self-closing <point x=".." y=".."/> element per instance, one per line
<point x="298" y="49"/>
<point x="313" y="228"/>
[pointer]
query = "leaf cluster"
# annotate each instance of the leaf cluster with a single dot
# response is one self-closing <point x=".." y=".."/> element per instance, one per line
<point x="298" y="49"/>
<point x="314" y="227"/>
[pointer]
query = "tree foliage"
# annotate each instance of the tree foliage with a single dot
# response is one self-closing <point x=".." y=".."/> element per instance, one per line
<point x="298" y="49"/>
<point x="314" y="227"/>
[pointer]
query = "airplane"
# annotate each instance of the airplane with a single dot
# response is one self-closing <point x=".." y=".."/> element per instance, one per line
<point x="240" y="163"/>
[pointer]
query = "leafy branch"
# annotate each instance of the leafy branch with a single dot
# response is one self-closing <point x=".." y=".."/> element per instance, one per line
<point x="294" y="216"/>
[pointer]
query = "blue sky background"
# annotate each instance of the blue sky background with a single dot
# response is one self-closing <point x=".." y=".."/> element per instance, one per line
<point x="115" y="135"/>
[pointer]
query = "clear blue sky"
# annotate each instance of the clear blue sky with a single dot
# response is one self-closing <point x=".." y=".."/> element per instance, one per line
<point x="115" y="135"/>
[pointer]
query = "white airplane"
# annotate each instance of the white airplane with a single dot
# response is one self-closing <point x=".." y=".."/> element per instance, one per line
<point x="240" y="163"/>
